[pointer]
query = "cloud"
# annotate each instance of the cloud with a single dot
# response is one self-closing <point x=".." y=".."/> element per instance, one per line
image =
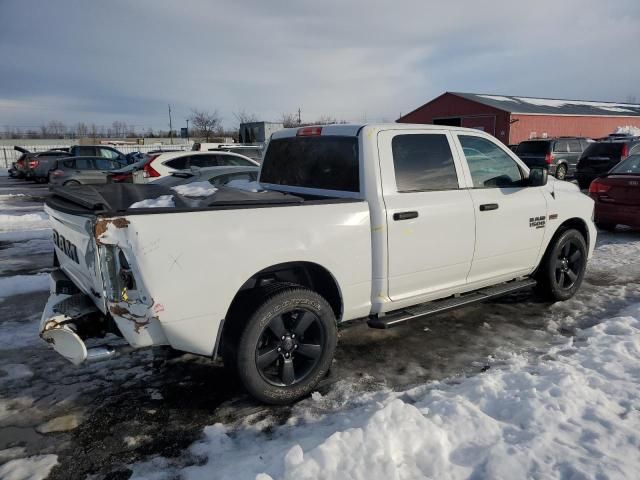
<point x="123" y="60"/>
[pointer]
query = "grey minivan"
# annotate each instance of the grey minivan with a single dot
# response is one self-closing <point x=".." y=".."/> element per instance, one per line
<point x="559" y="155"/>
<point x="82" y="170"/>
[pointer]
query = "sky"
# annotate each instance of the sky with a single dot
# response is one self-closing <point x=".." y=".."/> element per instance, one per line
<point x="117" y="60"/>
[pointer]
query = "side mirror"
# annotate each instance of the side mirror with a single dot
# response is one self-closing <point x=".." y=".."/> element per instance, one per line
<point x="538" y="177"/>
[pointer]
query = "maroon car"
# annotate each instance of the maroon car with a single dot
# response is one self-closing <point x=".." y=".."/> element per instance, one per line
<point x="617" y="195"/>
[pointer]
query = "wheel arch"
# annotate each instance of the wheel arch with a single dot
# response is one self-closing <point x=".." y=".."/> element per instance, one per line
<point x="576" y="223"/>
<point x="296" y="273"/>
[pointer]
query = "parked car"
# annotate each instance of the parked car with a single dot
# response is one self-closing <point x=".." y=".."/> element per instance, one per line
<point x="387" y="222"/>
<point x="82" y="170"/>
<point x="216" y="176"/>
<point x="559" y="155"/>
<point x="600" y="157"/>
<point x="161" y="165"/>
<point x="617" y="195"/>
<point x="40" y="164"/>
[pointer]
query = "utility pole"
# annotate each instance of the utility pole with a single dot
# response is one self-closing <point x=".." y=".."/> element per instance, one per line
<point x="187" y="130"/>
<point x="299" y="117"/>
<point x="170" y="127"/>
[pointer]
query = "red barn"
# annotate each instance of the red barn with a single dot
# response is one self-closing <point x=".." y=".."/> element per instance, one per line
<point x="514" y="119"/>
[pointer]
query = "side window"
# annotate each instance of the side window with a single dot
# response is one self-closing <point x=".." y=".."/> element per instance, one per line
<point x="204" y="161"/>
<point x="574" y="146"/>
<point x="86" y="151"/>
<point x="635" y="149"/>
<point x="84" y="164"/>
<point x="490" y="166"/>
<point x="106" y="164"/>
<point x="181" y="163"/>
<point x="70" y="163"/>
<point x="107" y="153"/>
<point x="560" y="146"/>
<point x="423" y="162"/>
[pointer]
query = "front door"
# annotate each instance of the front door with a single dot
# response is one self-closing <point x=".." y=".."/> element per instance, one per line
<point x="510" y="217"/>
<point x="430" y="219"/>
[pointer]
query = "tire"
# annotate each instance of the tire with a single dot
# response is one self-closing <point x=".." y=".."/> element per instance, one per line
<point x="609" y="227"/>
<point x="287" y="344"/>
<point x="563" y="266"/>
<point x="72" y="183"/>
<point x="561" y="171"/>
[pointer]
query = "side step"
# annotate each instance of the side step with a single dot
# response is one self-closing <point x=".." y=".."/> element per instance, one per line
<point x="438" y="306"/>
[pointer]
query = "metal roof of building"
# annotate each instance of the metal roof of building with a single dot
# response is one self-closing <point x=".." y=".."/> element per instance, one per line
<point x="552" y="106"/>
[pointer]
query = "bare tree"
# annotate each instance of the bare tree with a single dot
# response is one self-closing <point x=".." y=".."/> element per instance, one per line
<point x="57" y="129"/>
<point x="81" y="130"/>
<point x="290" y="120"/>
<point x="205" y="124"/>
<point x="325" y="120"/>
<point x="243" y="117"/>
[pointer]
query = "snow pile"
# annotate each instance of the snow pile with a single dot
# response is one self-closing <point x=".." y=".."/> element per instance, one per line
<point x="245" y="185"/>
<point x="19" y="284"/>
<point x="572" y="414"/>
<point x="628" y="130"/>
<point x="163" y="201"/>
<point x="32" y="468"/>
<point x="195" y="189"/>
<point x="21" y="219"/>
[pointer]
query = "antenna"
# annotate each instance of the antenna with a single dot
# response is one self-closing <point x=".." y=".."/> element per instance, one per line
<point x="170" y="127"/>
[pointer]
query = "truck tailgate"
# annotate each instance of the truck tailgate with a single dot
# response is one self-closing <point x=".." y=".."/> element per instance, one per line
<point x="75" y="249"/>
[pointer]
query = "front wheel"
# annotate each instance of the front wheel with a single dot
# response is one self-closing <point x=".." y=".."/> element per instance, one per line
<point x="563" y="266"/>
<point x="287" y="345"/>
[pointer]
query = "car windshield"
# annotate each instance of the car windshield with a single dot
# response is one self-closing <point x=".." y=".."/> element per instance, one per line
<point x="630" y="166"/>
<point x="527" y="148"/>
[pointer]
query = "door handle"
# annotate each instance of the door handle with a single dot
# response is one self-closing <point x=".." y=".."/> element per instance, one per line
<point x="488" y="206"/>
<point x="405" y="215"/>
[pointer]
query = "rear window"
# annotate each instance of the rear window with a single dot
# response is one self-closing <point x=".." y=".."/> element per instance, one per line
<point x="629" y="166"/>
<point x="324" y="162"/>
<point x="605" y="148"/>
<point x="533" y="148"/>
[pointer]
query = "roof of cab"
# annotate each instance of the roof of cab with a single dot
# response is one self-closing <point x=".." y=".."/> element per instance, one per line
<point x="353" y="129"/>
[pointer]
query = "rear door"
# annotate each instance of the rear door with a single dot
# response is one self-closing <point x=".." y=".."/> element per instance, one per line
<point x="85" y="171"/>
<point x="430" y="220"/>
<point x="510" y="217"/>
<point x="561" y="153"/>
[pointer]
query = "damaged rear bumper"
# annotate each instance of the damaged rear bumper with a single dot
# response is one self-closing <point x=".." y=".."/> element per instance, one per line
<point x="69" y="319"/>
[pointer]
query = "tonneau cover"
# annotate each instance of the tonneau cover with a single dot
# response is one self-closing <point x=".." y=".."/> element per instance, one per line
<point x="116" y="198"/>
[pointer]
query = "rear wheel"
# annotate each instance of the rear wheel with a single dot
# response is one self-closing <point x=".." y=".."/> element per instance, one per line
<point x="561" y="172"/>
<point x="287" y="345"/>
<point x="563" y="266"/>
<point x="71" y="182"/>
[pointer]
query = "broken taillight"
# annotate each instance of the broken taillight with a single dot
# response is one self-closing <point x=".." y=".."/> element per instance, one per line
<point x="33" y="163"/>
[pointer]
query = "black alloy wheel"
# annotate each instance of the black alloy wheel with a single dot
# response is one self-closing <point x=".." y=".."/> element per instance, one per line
<point x="569" y="264"/>
<point x="290" y="347"/>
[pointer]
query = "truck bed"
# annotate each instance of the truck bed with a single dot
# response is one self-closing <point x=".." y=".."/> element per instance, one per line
<point x="116" y="199"/>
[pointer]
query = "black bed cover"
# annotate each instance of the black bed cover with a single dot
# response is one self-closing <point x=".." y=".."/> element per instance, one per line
<point x="117" y="198"/>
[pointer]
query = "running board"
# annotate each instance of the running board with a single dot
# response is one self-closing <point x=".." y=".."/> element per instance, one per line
<point x="439" y="306"/>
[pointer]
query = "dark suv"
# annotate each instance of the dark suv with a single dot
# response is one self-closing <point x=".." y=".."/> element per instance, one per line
<point x="559" y="155"/>
<point x="600" y="157"/>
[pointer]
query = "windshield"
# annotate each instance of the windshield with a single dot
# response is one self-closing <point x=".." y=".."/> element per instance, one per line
<point x="535" y="148"/>
<point x="630" y="166"/>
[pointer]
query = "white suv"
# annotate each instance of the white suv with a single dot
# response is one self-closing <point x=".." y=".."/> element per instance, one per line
<point x="164" y="164"/>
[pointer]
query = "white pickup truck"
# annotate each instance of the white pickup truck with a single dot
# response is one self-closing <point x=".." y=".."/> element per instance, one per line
<point x="386" y="222"/>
